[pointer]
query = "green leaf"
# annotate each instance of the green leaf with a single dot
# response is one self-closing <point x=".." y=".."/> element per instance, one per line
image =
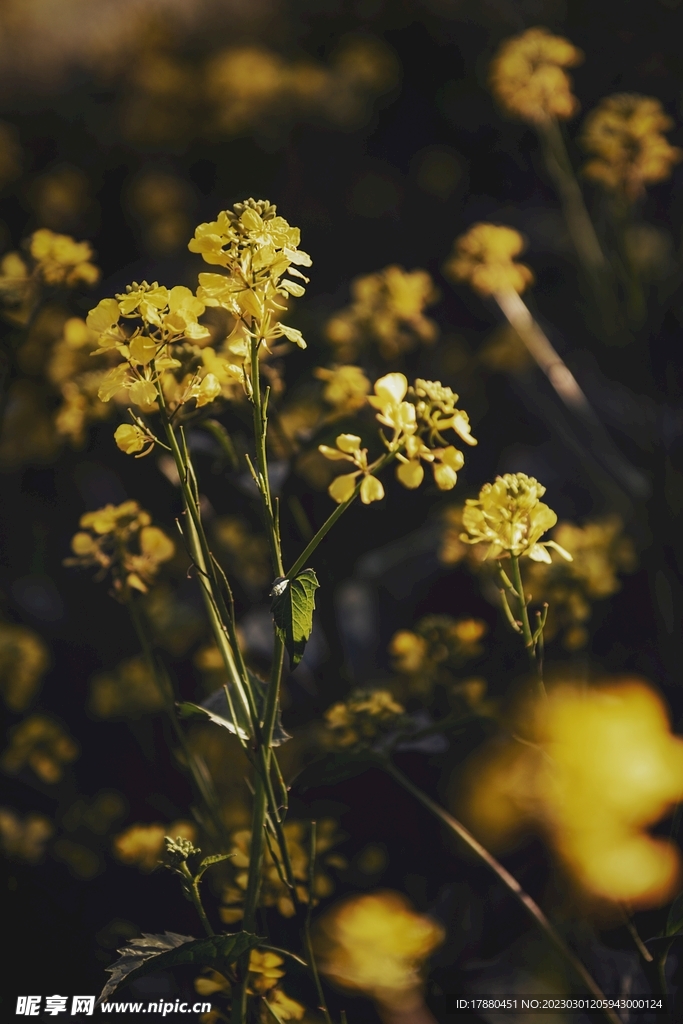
<point x="292" y="608"/>
<point x="216" y="858"/>
<point x="674" y="922"/>
<point x="217" y="709"/>
<point x="159" y="952"/>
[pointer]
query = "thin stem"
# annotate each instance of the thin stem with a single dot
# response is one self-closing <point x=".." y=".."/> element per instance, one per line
<point x="508" y="880"/>
<point x="193" y="890"/>
<point x="633" y="932"/>
<point x="322" y="1004"/>
<point x="332" y="519"/>
<point x="260" y="431"/>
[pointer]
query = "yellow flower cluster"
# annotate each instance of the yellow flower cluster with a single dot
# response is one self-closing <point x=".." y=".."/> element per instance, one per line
<point x="377" y="944"/>
<point x="24" y="839"/>
<point x="484" y="258"/>
<point x="624" y="135"/>
<point x="41" y="744"/>
<point x="23" y="661"/>
<point x="274" y="893"/>
<point x="600" y="550"/>
<point x="142" y="846"/>
<point x="509" y="516"/>
<point x="602" y="767"/>
<point x="387" y="311"/>
<point x="528" y="78"/>
<point x="362" y="718"/>
<point x="119" y="539"/>
<point x="57" y="261"/>
<point x="438" y="646"/>
<point x="429" y="410"/>
<point x="130" y="691"/>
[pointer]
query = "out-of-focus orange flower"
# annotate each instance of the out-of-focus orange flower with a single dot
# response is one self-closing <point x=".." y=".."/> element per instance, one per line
<point x="597" y="766"/>
<point x="377" y="944"/>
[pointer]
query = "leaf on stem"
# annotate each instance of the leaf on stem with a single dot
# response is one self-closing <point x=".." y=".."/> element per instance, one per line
<point x="158" y="952"/>
<point x="292" y="608"/>
<point x="217" y="709"/>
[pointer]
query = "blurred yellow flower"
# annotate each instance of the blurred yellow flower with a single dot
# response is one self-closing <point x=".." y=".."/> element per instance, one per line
<point x="129" y="691"/>
<point x="41" y="744"/>
<point x="484" y="257"/>
<point x="120" y="540"/>
<point x="24" y="838"/>
<point x="386" y="311"/>
<point x="24" y="659"/>
<point x="61" y="260"/>
<point x="346" y="388"/>
<point x="437" y="648"/>
<point x="601" y="768"/>
<point x="510" y="517"/>
<point x="528" y="77"/>
<point x="362" y="718"/>
<point x="624" y="135"/>
<point x="142" y="846"/>
<point x="266" y="970"/>
<point x="377" y="944"/>
<point x="285" y="1008"/>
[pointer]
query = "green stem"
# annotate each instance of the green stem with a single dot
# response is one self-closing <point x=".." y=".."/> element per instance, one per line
<point x="201" y="780"/>
<point x="332" y="519"/>
<point x="260" y="431"/>
<point x="508" y="880"/>
<point x="193" y="890"/>
<point x="322" y="1004"/>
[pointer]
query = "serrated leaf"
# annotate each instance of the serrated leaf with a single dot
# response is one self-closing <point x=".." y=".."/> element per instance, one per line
<point x="159" y="952"/>
<point x="216" y="858"/>
<point x="292" y="609"/>
<point x="217" y="710"/>
<point x="335" y="767"/>
<point x="674" y="922"/>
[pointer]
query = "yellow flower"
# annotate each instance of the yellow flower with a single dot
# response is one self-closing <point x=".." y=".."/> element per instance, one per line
<point x="285" y="1008"/>
<point x="484" y="257"/>
<point x="24" y="839"/>
<point x="362" y="718"/>
<point x="23" y="660"/>
<point x="342" y="487"/>
<point x="266" y="968"/>
<point x="387" y="310"/>
<point x="509" y="516"/>
<point x="377" y="944"/>
<point x="43" y="745"/>
<point x="624" y="134"/>
<point x="142" y="846"/>
<point x="62" y="260"/>
<point x="528" y="79"/>
<point x="603" y="767"/>
<point x="131" y="439"/>
<point x="346" y="388"/>
<point x="408" y="651"/>
<point x="393" y="412"/>
<point x="129" y="691"/>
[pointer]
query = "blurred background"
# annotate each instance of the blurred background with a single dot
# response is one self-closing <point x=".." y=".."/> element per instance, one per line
<point x="369" y="123"/>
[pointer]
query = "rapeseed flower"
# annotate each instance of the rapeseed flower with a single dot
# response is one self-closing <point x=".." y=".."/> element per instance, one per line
<point x="142" y="846"/>
<point x="377" y="944"/>
<point x="24" y="659"/>
<point x="362" y="718"/>
<point x="509" y="516"/>
<point x="41" y="744"/>
<point x="24" y="839"/>
<point x="625" y="137"/>
<point x="342" y="488"/>
<point x="528" y="76"/>
<point x="484" y="257"/>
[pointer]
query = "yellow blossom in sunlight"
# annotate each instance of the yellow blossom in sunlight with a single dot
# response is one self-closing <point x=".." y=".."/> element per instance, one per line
<point x="24" y="659"/>
<point x="362" y="718"/>
<point x="41" y="744"/>
<point x="343" y="487"/>
<point x="377" y="944"/>
<point x="346" y="388"/>
<point x="274" y="893"/>
<point x="257" y="248"/>
<point x="24" y="839"/>
<point x="509" y="516"/>
<point x="284" y="1007"/>
<point x="602" y="766"/>
<point x="142" y="846"/>
<point x="624" y="135"/>
<point x="61" y="260"/>
<point x="121" y="540"/>
<point x="484" y="257"/>
<point x="386" y="310"/>
<point x="435" y="650"/>
<point x="528" y="77"/>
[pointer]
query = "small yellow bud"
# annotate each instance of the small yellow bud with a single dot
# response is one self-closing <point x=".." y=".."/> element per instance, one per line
<point x="348" y="443"/>
<point x="445" y="477"/>
<point x="410" y="474"/>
